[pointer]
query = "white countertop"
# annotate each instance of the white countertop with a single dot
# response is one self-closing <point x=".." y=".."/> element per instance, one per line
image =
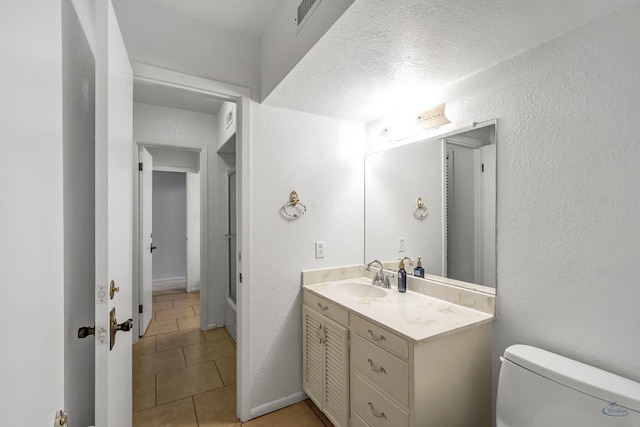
<point x="415" y="316"/>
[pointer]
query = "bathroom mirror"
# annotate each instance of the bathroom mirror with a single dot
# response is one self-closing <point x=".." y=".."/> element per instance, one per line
<point x="436" y="199"/>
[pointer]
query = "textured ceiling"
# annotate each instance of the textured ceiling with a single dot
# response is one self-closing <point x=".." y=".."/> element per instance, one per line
<point x="244" y="16"/>
<point x="382" y="55"/>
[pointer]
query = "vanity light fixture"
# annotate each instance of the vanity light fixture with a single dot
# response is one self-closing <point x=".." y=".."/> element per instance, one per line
<point x="433" y="118"/>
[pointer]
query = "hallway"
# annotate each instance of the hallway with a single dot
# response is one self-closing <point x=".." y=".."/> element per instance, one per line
<point x="184" y="377"/>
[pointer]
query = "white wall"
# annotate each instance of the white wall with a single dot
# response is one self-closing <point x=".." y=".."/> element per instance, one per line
<point x="169" y="225"/>
<point x="175" y="158"/>
<point x="179" y="128"/>
<point x="320" y="158"/>
<point x="31" y="217"/>
<point x="224" y="132"/>
<point x="158" y="36"/>
<point x="281" y="48"/>
<point x="568" y="196"/>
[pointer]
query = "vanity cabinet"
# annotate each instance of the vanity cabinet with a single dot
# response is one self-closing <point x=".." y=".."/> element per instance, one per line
<point x="442" y="382"/>
<point x="326" y="358"/>
<point x="357" y="370"/>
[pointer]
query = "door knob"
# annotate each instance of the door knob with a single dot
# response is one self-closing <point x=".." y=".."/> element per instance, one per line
<point x="85" y="331"/>
<point x="115" y="327"/>
<point x="153" y="247"/>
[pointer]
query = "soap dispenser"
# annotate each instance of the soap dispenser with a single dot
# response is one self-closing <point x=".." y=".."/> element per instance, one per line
<point x="402" y="277"/>
<point x="418" y="271"/>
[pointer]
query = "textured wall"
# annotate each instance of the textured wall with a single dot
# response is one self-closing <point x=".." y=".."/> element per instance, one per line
<point x="568" y="200"/>
<point x="320" y="158"/>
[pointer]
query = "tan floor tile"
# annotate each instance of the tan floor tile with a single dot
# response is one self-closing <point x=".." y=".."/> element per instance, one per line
<point x="298" y="415"/>
<point x="170" y="297"/>
<point x="162" y="327"/>
<point x="145" y="345"/>
<point x="193" y="295"/>
<point x="144" y="392"/>
<point x="196" y="308"/>
<point x="160" y="361"/>
<point x="189" y="322"/>
<point x="187" y="302"/>
<point x="174" y="414"/>
<point x="163" y="305"/>
<point x="227" y="369"/>
<point x="213" y="334"/>
<point x="181" y="383"/>
<point x="174" y="313"/>
<point x="217" y="408"/>
<point x="178" y="339"/>
<point x="208" y="351"/>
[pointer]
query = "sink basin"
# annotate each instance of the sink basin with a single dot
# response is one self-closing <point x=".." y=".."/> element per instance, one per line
<point x="359" y="290"/>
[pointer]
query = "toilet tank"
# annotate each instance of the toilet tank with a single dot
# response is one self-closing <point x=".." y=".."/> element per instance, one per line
<point x="537" y="388"/>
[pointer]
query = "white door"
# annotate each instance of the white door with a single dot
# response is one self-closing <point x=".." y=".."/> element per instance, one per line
<point x="114" y="181"/>
<point x="146" y="243"/>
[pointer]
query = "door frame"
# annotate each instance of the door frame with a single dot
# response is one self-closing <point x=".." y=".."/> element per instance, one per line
<point x="242" y="97"/>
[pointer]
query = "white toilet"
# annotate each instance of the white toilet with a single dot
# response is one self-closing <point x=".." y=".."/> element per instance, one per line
<point x="542" y="389"/>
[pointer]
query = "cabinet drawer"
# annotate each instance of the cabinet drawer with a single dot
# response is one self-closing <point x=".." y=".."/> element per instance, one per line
<point x="382" y="368"/>
<point x="357" y="421"/>
<point x="326" y="307"/>
<point x="373" y="406"/>
<point x="380" y="336"/>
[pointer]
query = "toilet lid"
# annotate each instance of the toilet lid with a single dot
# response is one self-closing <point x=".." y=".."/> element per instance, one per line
<point x="579" y="376"/>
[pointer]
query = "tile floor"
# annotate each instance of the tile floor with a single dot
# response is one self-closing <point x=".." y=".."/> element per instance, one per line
<point x="183" y="377"/>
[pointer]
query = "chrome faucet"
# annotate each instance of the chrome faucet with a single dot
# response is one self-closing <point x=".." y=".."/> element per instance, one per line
<point x="379" y="279"/>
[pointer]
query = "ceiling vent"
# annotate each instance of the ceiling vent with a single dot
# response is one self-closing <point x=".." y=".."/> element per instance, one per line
<point x="305" y="9"/>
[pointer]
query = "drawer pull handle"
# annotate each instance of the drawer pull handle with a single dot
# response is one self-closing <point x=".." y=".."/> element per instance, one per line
<point x="323" y="307"/>
<point x="376" y="413"/>
<point x="375" y="338"/>
<point x="374" y="368"/>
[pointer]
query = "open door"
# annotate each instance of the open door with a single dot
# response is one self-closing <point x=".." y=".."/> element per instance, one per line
<point x="145" y="184"/>
<point x="113" y="226"/>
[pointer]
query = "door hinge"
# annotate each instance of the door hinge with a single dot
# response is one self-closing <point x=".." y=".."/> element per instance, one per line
<point x="240" y="277"/>
<point x="482" y="169"/>
<point x="140" y="308"/>
<point x="140" y="166"/>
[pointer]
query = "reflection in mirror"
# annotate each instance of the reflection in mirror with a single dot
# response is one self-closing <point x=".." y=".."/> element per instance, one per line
<point x="454" y="234"/>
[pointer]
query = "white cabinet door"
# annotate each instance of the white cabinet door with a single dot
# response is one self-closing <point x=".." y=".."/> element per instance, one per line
<point x="312" y="355"/>
<point x="325" y="365"/>
<point x="336" y="382"/>
<point x="113" y="227"/>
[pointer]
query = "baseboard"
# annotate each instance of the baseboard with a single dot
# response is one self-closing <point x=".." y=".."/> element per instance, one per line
<point x="170" y="279"/>
<point x="211" y="326"/>
<point x="278" y="404"/>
